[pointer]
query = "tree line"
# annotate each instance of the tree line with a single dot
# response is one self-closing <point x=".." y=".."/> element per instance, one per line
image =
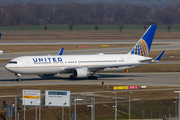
<point x="88" y="14"/>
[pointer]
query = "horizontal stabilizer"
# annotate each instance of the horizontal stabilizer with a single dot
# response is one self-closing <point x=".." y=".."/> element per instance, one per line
<point x="160" y="55"/>
<point x="61" y="51"/>
<point x="153" y="60"/>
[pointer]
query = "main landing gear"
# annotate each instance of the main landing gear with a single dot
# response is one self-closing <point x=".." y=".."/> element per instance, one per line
<point x="71" y="77"/>
<point x="18" y="77"/>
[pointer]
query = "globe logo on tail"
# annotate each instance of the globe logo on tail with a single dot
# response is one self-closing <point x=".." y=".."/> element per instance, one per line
<point x="140" y="48"/>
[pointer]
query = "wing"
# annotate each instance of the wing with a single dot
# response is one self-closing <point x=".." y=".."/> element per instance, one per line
<point x="102" y="67"/>
<point x="96" y="68"/>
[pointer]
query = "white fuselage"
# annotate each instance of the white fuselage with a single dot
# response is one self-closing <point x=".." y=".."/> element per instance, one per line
<point x="58" y="64"/>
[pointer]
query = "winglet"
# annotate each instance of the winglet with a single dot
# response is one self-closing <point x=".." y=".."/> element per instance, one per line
<point x="143" y="46"/>
<point x="61" y="51"/>
<point x="0" y="36"/>
<point x="160" y="55"/>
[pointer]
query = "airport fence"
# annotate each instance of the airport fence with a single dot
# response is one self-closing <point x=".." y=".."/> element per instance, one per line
<point x="43" y="112"/>
<point x="149" y="109"/>
<point x="152" y="109"/>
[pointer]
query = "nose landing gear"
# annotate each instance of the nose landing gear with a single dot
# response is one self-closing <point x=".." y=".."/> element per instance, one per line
<point x="18" y="77"/>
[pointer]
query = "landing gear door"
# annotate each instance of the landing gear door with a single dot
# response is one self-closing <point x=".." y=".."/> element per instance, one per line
<point x="26" y="63"/>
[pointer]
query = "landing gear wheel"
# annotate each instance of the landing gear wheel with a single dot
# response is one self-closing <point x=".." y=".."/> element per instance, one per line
<point x="71" y="77"/>
<point x="18" y="79"/>
<point x="95" y="77"/>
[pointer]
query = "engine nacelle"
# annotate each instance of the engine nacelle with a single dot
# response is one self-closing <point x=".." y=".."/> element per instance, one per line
<point x="80" y="72"/>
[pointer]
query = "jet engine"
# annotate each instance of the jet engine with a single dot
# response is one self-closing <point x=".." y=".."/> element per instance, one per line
<point x="80" y="72"/>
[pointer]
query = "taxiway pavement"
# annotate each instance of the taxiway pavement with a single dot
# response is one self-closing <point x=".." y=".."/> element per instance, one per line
<point x="157" y="79"/>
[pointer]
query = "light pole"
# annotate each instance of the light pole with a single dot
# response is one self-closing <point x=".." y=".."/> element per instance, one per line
<point x="129" y="104"/>
<point x="175" y="109"/>
<point x="103" y="90"/>
<point x="92" y="107"/>
<point x="62" y="113"/>
<point x="151" y="113"/>
<point x="169" y="114"/>
<point x="91" y="111"/>
<point x="24" y="110"/>
<point x="178" y="104"/>
<point x="159" y="112"/>
<point x="75" y="107"/>
<point x="115" y="105"/>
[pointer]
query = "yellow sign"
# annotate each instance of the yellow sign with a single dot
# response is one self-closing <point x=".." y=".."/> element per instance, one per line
<point x="126" y="87"/>
<point x="104" y="45"/>
<point x="120" y="87"/>
<point x="31" y="97"/>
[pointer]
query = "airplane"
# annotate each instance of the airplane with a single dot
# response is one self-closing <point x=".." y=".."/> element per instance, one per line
<point x="1" y="52"/>
<point x="81" y="66"/>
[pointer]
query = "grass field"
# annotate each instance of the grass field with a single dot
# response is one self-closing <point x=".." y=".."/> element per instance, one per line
<point x="84" y="36"/>
<point x="38" y="48"/>
<point x="86" y="27"/>
<point x="156" y="68"/>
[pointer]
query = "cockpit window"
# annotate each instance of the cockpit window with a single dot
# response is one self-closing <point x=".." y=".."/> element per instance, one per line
<point x="13" y="62"/>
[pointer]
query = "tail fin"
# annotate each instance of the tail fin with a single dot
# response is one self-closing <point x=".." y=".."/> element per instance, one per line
<point x="61" y="51"/>
<point x="143" y="46"/>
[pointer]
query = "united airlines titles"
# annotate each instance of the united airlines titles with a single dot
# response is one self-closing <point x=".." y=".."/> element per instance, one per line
<point x="47" y="60"/>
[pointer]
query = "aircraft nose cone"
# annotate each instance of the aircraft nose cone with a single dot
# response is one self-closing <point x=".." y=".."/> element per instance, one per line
<point x="9" y="68"/>
<point x="6" y="67"/>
